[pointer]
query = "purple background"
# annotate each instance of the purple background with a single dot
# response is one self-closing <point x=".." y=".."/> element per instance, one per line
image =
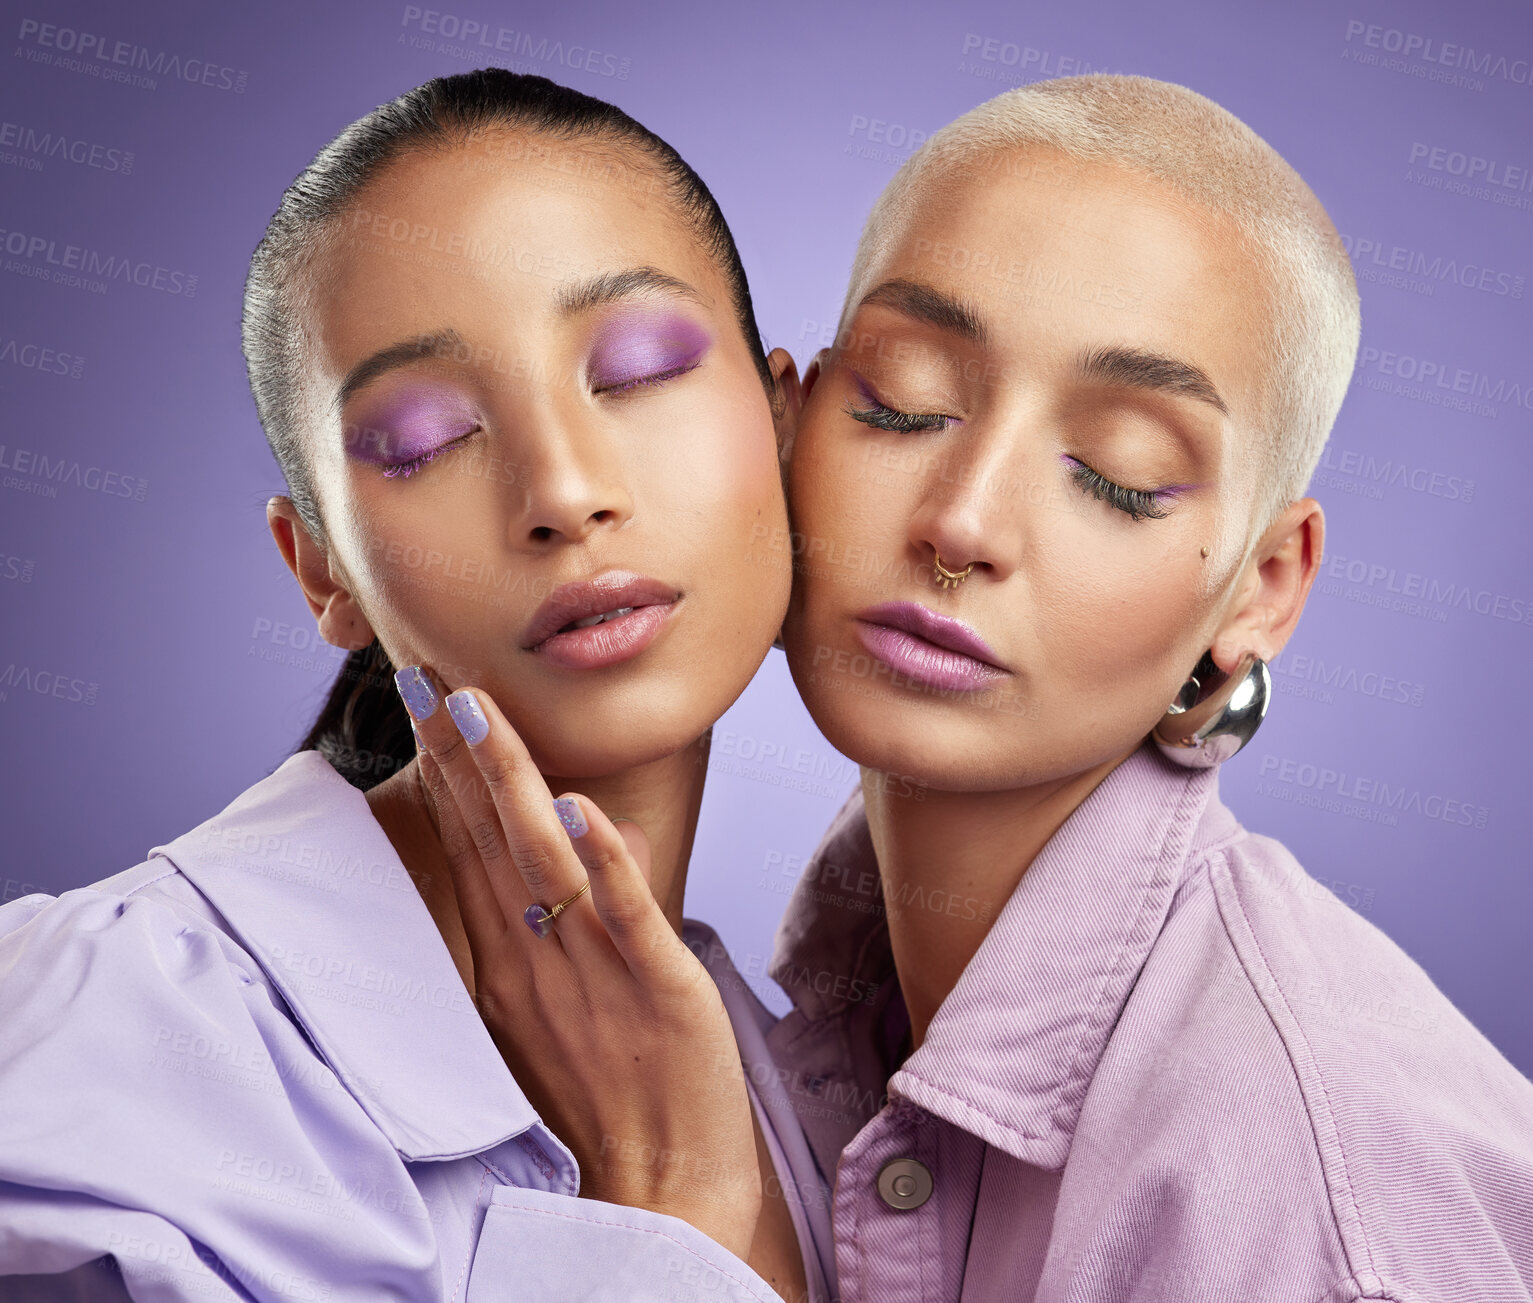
<point x="157" y="657"/>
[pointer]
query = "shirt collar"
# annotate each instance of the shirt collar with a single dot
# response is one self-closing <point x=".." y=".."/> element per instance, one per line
<point x="313" y="889"/>
<point x="1010" y="1053"/>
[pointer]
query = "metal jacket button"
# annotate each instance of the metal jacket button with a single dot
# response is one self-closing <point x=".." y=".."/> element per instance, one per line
<point x="904" y="1183"/>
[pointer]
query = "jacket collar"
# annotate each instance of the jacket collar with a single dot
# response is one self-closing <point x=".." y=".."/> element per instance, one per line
<point x="1010" y="1053"/>
<point x="313" y="889"/>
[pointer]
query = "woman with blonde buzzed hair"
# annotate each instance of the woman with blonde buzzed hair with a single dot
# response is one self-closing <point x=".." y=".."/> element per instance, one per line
<point x="1110" y="1045"/>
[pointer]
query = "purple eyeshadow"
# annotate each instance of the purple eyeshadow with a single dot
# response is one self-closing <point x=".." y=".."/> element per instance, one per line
<point x="633" y="347"/>
<point x="409" y="424"/>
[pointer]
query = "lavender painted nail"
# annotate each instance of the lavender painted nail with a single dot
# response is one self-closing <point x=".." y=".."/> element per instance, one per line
<point x="416" y="691"/>
<point x="463" y="706"/>
<point x="568" y="810"/>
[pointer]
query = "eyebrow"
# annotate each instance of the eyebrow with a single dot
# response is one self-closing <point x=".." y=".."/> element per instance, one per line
<point x="607" y="287"/>
<point x="573" y="298"/>
<point x="395" y="355"/>
<point x="926" y="303"/>
<point x="1132" y="368"/>
<point x="1137" y="368"/>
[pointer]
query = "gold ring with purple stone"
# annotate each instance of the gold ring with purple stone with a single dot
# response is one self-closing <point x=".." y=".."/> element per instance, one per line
<point x="541" y="920"/>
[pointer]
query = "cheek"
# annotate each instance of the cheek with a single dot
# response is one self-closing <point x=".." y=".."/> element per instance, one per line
<point x="844" y="490"/>
<point x="400" y="545"/>
<point x="718" y="461"/>
<point x="1117" y="613"/>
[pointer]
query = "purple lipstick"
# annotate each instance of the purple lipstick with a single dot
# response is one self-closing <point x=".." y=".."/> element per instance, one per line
<point x="935" y="650"/>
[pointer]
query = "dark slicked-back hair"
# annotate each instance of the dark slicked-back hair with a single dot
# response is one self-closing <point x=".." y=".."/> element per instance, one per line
<point x="363" y="729"/>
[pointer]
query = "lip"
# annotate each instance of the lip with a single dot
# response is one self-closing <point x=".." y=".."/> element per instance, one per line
<point x="943" y="630"/>
<point x="931" y="649"/>
<point x="610" y="641"/>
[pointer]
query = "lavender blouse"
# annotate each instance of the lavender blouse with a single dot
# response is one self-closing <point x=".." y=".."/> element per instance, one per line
<point x="247" y="1068"/>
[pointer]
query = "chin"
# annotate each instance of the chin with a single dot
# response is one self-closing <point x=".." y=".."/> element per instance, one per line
<point x="593" y="750"/>
<point x="576" y="762"/>
<point x="875" y="731"/>
<point x="941" y="746"/>
<point x="646" y="721"/>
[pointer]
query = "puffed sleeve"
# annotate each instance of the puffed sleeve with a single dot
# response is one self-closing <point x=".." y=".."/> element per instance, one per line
<point x="157" y="1110"/>
<point x="168" y="1134"/>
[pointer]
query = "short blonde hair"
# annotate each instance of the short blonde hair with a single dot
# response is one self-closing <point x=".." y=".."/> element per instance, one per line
<point x="1208" y="155"/>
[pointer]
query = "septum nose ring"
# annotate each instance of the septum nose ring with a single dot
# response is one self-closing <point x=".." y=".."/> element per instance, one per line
<point x="950" y="578"/>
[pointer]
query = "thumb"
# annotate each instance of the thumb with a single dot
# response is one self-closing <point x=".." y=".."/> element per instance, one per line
<point x="638" y="845"/>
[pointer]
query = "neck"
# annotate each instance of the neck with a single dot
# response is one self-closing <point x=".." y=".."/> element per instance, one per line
<point x="949" y="862"/>
<point x="662" y="796"/>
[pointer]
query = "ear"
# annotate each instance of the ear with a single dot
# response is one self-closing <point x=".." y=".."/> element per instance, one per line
<point x="1275" y="586"/>
<point x="785" y="416"/>
<point x="340" y="619"/>
<point x="813" y="371"/>
<point x="789" y="402"/>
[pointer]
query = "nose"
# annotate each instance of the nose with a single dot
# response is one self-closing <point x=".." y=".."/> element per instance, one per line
<point x="950" y="538"/>
<point x="572" y="484"/>
<point x="966" y="520"/>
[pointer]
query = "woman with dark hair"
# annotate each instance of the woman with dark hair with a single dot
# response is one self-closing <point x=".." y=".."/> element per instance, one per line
<point x="341" y="1041"/>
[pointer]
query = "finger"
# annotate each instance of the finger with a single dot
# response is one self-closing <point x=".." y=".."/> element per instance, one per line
<point x="510" y="811"/>
<point x="484" y="920"/>
<point x="638" y="846"/>
<point x="620" y="893"/>
<point x="490" y="892"/>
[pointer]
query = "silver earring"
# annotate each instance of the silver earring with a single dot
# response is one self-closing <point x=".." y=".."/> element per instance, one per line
<point x="1214" y="714"/>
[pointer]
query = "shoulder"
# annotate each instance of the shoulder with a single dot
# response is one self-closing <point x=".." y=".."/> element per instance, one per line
<point x="1294" y="1025"/>
<point x="148" y="1080"/>
<point x="127" y="988"/>
<point x="146" y="925"/>
<point x="62" y="948"/>
<point x="1351" y="1006"/>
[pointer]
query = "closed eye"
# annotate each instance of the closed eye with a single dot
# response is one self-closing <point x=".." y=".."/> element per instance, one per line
<point x="1136" y="503"/>
<point x="405" y="469"/>
<point x="655" y="378"/>
<point x="882" y="417"/>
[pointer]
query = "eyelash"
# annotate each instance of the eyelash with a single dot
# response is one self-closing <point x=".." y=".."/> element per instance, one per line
<point x="881" y="417"/>
<point x="658" y="378"/>
<point x="1137" y="503"/>
<point x="404" y="469"/>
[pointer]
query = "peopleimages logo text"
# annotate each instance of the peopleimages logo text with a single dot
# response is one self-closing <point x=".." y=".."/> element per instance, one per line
<point x="1366" y="251"/>
<point x="1443" y="375"/>
<point x="1447" y="54"/>
<point x="1471" y="167"/>
<point x="1428" y="588"/>
<point x="92" y="47"/>
<point x="93" y="267"/>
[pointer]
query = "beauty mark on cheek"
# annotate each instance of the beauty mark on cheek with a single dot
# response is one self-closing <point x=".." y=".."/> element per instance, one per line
<point x="635" y="350"/>
<point x="408" y="425"/>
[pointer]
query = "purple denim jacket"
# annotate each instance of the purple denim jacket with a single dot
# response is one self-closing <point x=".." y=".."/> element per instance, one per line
<point x="247" y="1068"/>
<point x="1178" y="1069"/>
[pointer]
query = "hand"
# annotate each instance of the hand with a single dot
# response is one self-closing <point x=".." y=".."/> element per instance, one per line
<point x="611" y="1026"/>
